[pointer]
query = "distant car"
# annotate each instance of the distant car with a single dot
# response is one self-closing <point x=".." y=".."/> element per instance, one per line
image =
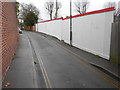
<point x="20" y="31"/>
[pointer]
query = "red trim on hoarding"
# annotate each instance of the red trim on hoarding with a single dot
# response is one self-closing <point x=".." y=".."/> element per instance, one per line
<point x="93" y="12"/>
<point x="49" y="20"/>
<point x="88" y="13"/>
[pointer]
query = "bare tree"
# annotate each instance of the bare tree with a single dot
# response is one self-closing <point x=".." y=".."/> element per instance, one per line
<point x="117" y="16"/>
<point x="118" y="10"/>
<point x="23" y="10"/>
<point x="81" y="6"/>
<point x="32" y="8"/>
<point x="49" y="6"/>
<point x="58" y="6"/>
<point x="109" y="4"/>
<point x="26" y="8"/>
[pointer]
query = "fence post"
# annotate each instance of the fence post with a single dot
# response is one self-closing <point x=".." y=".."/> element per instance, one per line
<point x="115" y="43"/>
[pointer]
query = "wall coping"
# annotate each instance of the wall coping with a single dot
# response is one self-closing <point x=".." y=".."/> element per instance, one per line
<point x="84" y="14"/>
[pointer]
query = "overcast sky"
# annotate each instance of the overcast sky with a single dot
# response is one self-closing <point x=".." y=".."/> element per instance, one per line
<point x="64" y="11"/>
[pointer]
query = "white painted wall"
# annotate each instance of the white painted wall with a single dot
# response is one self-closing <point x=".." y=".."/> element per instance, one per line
<point x="65" y="32"/>
<point x="91" y="33"/>
<point x="54" y="28"/>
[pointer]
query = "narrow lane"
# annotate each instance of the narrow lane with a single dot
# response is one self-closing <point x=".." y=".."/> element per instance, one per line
<point x="62" y="69"/>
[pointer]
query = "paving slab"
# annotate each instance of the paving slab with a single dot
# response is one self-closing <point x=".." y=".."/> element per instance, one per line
<point x="21" y="71"/>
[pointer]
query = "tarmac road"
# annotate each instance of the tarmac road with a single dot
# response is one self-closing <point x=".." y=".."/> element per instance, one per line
<point x="60" y="68"/>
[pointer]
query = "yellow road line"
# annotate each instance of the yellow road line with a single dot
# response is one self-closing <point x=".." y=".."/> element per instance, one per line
<point x="44" y="73"/>
<point x="50" y="86"/>
<point x="78" y="59"/>
<point x="103" y="76"/>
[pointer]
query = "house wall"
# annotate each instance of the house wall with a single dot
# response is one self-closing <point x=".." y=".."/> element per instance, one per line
<point x="9" y="33"/>
<point x="0" y="45"/>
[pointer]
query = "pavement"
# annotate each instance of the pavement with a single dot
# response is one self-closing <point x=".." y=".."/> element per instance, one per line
<point x="42" y="61"/>
<point x="21" y="71"/>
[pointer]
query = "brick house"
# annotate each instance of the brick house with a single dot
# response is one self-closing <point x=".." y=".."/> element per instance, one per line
<point x="8" y="35"/>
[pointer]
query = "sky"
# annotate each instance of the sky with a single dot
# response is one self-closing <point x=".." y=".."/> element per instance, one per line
<point x="65" y="10"/>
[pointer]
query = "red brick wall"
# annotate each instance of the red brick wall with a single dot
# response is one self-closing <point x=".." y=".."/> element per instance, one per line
<point x="9" y="34"/>
<point x="0" y="46"/>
